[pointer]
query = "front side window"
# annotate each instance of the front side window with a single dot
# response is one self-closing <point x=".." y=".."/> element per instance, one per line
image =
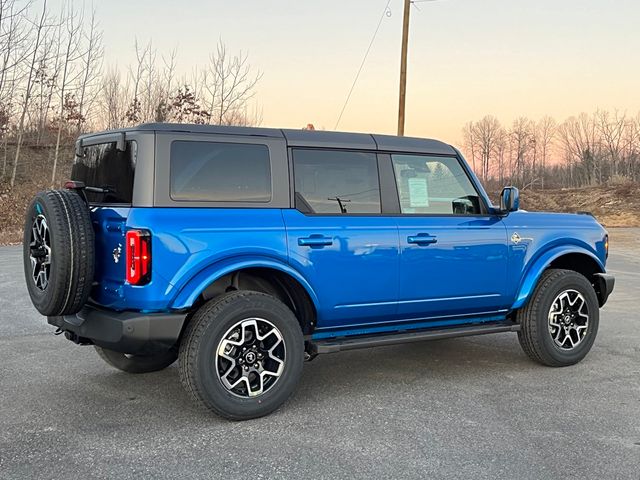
<point x="434" y="185"/>
<point x="220" y="172"/>
<point x="336" y="182"/>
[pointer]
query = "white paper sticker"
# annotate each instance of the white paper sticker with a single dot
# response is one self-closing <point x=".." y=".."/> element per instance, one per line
<point x="418" y="192"/>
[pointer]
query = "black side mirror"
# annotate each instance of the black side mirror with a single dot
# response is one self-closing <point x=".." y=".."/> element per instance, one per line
<point x="509" y="200"/>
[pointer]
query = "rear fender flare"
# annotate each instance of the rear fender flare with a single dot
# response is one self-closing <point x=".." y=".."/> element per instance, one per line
<point x="540" y="264"/>
<point x="190" y="292"/>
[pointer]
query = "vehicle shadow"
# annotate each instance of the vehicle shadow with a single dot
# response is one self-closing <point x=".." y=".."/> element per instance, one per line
<point x="448" y="358"/>
<point x="345" y="375"/>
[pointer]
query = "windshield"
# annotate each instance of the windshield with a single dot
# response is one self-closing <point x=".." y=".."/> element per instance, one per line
<point x="105" y="167"/>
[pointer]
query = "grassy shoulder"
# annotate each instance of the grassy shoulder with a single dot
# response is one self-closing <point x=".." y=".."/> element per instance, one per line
<point x="614" y="205"/>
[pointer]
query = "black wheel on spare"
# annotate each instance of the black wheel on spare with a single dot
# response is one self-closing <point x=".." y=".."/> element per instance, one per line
<point x="58" y="252"/>
<point x="138" y="363"/>
<point x="560" y="322"/>
<point x="241" y="355"/>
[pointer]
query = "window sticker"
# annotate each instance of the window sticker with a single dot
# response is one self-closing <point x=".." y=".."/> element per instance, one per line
<point x="418" y="192"/>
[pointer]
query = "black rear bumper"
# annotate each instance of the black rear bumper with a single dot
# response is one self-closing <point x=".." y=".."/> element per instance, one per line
<point x="127" y="332"/>
<point x="604" y="284"/>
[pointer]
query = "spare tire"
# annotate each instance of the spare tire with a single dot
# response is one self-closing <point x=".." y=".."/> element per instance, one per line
<point x="58" y="252"/>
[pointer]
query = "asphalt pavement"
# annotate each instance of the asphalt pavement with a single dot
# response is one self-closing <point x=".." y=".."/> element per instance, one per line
<point x="472" y="407"/>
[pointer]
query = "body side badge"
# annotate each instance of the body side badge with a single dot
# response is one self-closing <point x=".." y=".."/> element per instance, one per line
<point x="516" y="238"/>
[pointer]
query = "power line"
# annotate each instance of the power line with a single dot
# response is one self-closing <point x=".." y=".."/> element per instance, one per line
<point x="385" y="12"/>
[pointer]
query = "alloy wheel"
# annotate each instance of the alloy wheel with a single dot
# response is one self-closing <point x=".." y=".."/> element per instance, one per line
<point x="250" y="357"/>
<point x="568" y="319"/>
<point x="40" y="252"/>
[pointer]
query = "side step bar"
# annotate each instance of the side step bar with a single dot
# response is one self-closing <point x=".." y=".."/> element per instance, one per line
<point x="340" y="344"/>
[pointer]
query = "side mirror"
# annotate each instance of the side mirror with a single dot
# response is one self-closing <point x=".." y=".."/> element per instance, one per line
<point x="509" y="200"/>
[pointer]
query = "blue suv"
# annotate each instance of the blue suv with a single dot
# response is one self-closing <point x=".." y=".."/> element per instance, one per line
<point x="243" y="252"/>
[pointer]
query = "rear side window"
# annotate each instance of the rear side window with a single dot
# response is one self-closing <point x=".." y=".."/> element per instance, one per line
<point x="220" y="172"/>
<point x="338" y="182"/>
<point x="106" y="167"/>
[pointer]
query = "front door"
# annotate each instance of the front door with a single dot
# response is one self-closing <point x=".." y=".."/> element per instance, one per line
<point x="453" y="254"/>
<point x="339" y="239"/>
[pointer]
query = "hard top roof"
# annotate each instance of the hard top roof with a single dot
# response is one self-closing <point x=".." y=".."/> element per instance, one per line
<point x="305" y="138"/>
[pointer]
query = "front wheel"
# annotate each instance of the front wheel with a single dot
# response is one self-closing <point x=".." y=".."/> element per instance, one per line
<point x="241" y="355"/>
<point x="560" y="322"/>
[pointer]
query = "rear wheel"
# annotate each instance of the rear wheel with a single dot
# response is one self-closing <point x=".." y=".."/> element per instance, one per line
<point x="241" y="355"/>
<point x="138" y="363"/>
<point x="560" y="322"/>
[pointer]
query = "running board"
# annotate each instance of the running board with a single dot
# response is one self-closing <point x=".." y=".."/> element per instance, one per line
<point x="340" y="344"/>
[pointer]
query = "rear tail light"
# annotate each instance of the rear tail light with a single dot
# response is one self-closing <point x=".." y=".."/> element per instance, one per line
<point x="138" y="257"/>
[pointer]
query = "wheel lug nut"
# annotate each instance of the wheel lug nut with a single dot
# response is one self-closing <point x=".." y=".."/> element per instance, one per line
<point x="256" y="366"/>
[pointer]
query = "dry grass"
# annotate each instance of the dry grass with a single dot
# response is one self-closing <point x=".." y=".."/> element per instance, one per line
<point x="616" y="205"/>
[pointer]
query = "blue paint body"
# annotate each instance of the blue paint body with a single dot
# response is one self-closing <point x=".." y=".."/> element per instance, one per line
<point x="364" y="274"/>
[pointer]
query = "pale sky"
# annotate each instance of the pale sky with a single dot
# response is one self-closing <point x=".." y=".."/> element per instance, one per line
<point x="467" y="58"/>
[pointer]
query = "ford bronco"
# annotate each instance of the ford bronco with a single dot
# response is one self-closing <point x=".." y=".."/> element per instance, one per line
<point x="242" y="252"/>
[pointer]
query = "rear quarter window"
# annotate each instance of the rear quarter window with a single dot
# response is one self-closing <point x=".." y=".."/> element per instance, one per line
<point x="106" y="167"/>
<point x="220" y="172"/>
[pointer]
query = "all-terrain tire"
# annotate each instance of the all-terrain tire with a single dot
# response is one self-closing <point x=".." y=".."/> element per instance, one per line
<point x="535" y="336"/>
<point x="201" y="340"/>
<point x="61" y="218"/>
<point x="138" y="363"/>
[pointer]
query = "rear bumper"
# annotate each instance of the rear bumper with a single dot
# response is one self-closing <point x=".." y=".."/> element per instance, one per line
<point x="127" y="332"/>
<point x="604" y="284"/>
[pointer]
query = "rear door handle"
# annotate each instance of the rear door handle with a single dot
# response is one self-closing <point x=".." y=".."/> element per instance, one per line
<point x="422" y="239"/>
<point x="315" y="241"/>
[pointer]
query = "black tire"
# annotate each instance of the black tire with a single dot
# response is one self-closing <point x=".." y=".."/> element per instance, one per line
<point x="201" y="340"/>
<point x="138" y="363"/>
<point x="71" y="255"/>
<point x="535" y="336"/>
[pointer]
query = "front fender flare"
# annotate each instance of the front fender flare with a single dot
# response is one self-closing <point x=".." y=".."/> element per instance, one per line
<point x="198" y="283"/>
<point x="540" y="264"/>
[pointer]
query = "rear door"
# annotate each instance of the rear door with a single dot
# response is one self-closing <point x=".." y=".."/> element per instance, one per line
<point x="339" y="239"/>
<point x="453" y="255"/>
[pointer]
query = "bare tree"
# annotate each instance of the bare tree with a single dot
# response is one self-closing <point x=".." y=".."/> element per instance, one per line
<point x="612" y="129"/>
<point x="229" y="82"/>
<point x="41" y="28"/>
<point x="72" y="22"/>
<point x="487" y="132"/>
<point x="114" y="100"/>
<point x="545" y="135"/>
<point x="91" y="61"/>
<point x="469" y="136"/>
<point x="521" y="135"/>
<point x="582" y="146"/>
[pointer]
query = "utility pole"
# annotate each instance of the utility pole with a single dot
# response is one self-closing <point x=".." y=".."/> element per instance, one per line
<point x="403" y="67"/>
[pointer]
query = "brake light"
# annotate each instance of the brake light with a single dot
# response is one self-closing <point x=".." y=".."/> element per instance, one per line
<point x="138" y="257"/>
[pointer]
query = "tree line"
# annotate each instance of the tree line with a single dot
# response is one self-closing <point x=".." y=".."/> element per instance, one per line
<point x="583" y="150"/>
<point x="54" y="84"/>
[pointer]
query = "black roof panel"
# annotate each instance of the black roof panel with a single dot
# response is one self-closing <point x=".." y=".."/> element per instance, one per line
<point x="304" y="138"/>
<point x="321" y="138"/>
<point x="214" y="129"/>
<point x="413" y="145"/>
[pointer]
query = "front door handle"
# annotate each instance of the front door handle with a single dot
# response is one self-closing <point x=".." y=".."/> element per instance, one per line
<point x="315" y="241"/>
<point x="422" y="239"/>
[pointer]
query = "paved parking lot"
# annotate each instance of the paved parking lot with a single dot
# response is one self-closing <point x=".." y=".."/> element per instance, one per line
<point x="461" y="408"/>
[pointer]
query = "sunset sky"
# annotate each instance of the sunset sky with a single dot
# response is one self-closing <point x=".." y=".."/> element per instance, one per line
<point x="467" y="58"/>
